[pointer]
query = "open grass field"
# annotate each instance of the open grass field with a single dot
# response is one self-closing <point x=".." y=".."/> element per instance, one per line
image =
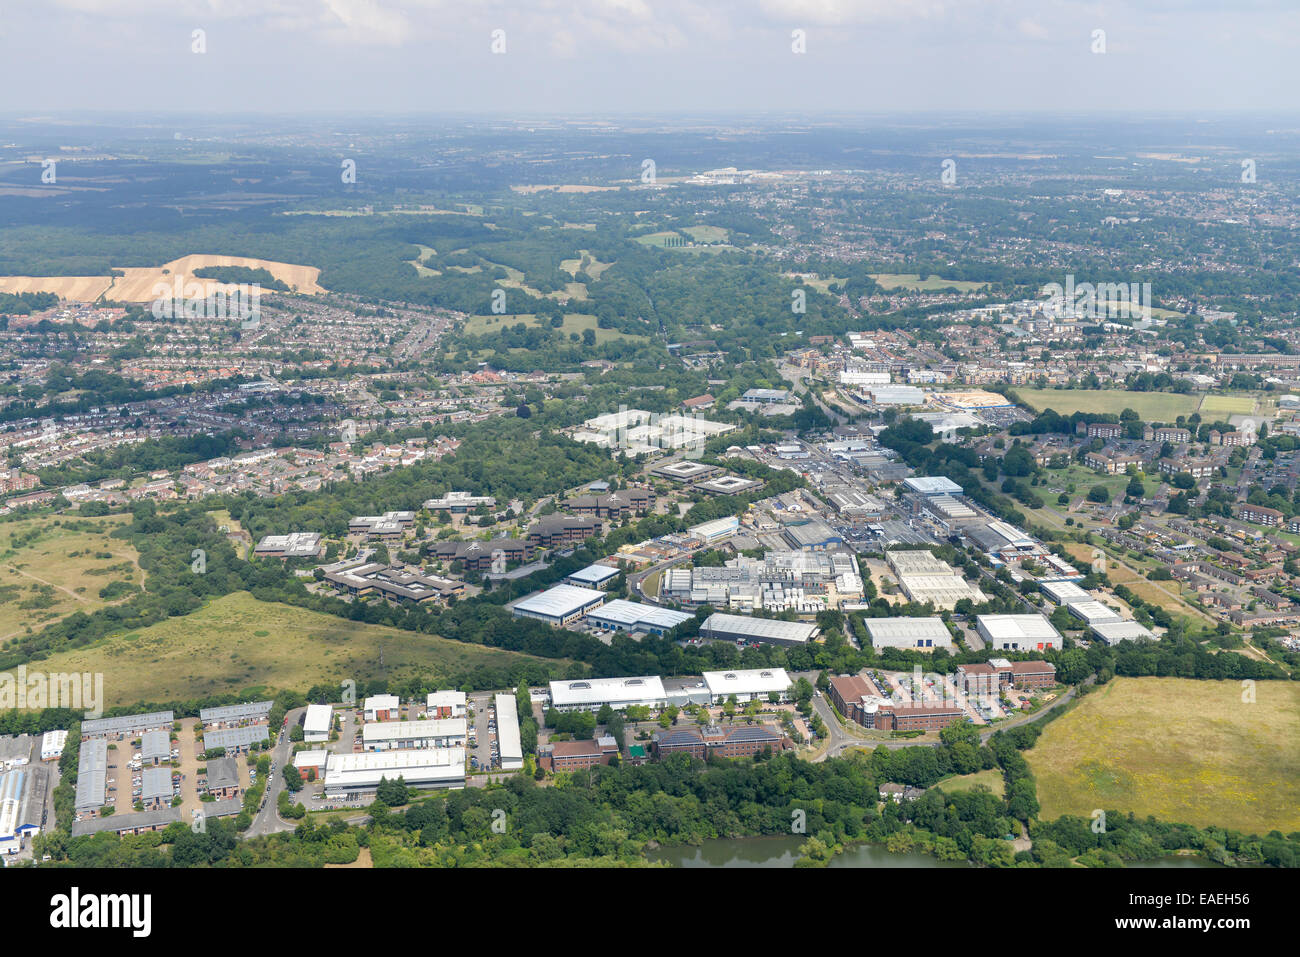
<point x="48" y="571"/>
<point x="657" y="239"/>
<point x="1179" y="749"/>
<point x="139" y="283"/>
<point x="573" y="322"/>
<point x="418" y="263"/>
<point x="991" y="779"/>
<point x="890" y="281"/>
<point x="1222" y="406"/>
<point x="237" y="643"/>
<point x="593" y="268"/>
<point x="1150" y="406"/>
<point x="706" y="234"/>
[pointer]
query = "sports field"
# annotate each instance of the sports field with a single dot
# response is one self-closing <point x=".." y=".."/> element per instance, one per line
<point x="1222" y="406"/>
<point x="1150" y="406"/>
<point x="1179" y="749"/>
<point x="237" y="642"/>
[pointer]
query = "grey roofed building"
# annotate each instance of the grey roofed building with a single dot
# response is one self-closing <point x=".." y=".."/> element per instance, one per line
<point x="235" y="737"/>
<point x="124" y="822"/>
<point x="1113" y="632"/>
<point x="127" y="724"/>
<point x="156" y="784"/>
<point x="15" y="749"/>
<point x="92" y="774"/>
<point x="152" y="819"/>
<point x="918" y="633"/>
<point x="812" y="534"/>
<point x="222" y="773"/>
<point x="252" y="711"/>
<point x="26" y="786"/>
<point x="741" y="627"/>
<point x="155" y="746"/>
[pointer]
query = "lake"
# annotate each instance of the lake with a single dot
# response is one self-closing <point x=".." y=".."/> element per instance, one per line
<point x="784" y="851"/>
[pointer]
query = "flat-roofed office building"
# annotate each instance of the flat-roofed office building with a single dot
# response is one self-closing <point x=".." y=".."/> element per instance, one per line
<point x="591" y="694"/>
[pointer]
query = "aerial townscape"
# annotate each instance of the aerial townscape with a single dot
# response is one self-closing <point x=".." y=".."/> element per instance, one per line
<point x="712" y="485"/>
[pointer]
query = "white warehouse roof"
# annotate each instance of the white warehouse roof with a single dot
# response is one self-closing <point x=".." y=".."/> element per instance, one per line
<point x="630" y="614"/>
<point x="753" y="681"/>
<point x="594" y="574"/>
<point x="1064" y="593"/>
<point x="559" y="601"/>
<point x="617" y="692"/>
<point x="1093" y="611"/>
<point x="425" y="766"/>
<point x="318" y="719"/>
<point x="1018" y="627"/>
<point x="759" y="629"/>
<point x="413" y="730"/>
<point x="1113" y="632"/>
<point x="933" y="485"/>
<point x="908" y="632"/>
<point x="510" y="747"/>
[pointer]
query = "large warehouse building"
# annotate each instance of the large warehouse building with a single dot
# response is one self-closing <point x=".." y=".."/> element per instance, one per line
<point x="131" y="724"/>
<point x="22" y="805"/>
<point x="745" y="685"/>
<point x="919" y="634"/>
<point x="361" y="773"/>
<point x="590" y="694"/>
<point x="509" y="747"/>
<point x="560" y="605"/>
<point x="1113" y="632"/>
<point x="632" y="616"/>
<point x="1017" y="632"/>
<point x="720" y="627"/>
<point x="92" y="776"/>
<point x="413" y="735"/>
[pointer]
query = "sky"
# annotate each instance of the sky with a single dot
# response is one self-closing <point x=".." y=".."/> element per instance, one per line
<point x="606" y="57"/>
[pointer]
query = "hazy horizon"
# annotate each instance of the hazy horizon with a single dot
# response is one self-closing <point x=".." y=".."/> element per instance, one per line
<point x="651" y="57"/>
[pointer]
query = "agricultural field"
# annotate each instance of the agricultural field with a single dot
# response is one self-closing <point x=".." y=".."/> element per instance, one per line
<point x="1150" y="406"/>
<point x="52" y="567"/>
<point x="912" y="282"/>
<point x="1214" y="407"/>
<point x="1180" y="749"/>
<point x="237" y="643"/>
<point x="138" y="283"/>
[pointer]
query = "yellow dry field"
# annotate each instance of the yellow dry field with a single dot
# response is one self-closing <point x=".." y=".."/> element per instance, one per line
<point x="1196" y="752"/>
<point x="76" y="288"/>
<point x="142" y="283"/>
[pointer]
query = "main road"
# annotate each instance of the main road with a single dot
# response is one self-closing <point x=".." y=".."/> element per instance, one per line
<point x="267" y="819"/>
